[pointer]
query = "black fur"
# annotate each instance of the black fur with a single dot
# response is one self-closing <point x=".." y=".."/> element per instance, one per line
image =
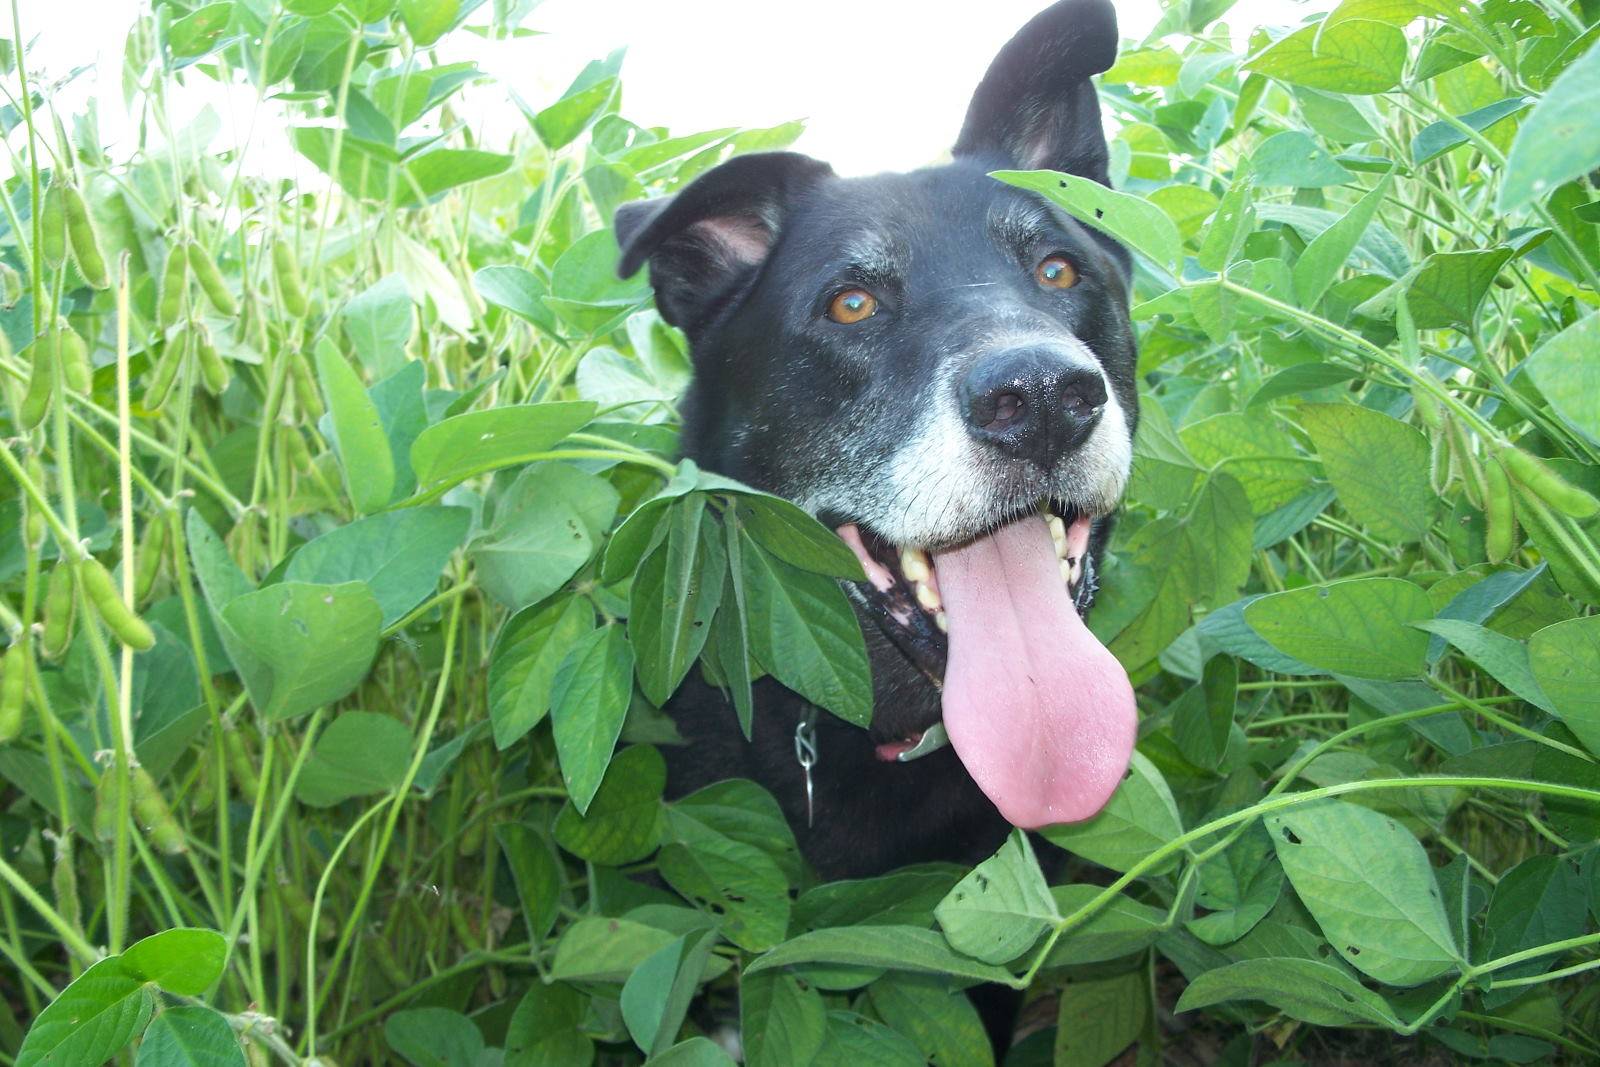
<point x="745" y="260"/>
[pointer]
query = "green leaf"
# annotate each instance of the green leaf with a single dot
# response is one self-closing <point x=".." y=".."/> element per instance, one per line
<point x="1099" y="1017"/>
<point x="1308" y="990"/>
<point x="544" y="1030"/>
<point x="1560" y="140"/>
<point x="894" y="948"/>
<point x="1202" y="718"/>
<point x="431" y="174"/>
<point x="623" y="822"/>
<point x="1540" y="901"/>
<point x="1449" y="286"/>
<point x="675" y="593"/>
<point x="781" y="1021"/>
<point x="589" y="698"/>
<point x="740" y="809"/>
<point x="560" y="124"/>
<point x="940" y="1021"/>
<point x="186" y="961"/>
<point x="398" y="554"/>
<point x="585" y="291"/>
<point x="519" y="291"/>
<point x="601" y="949"/>
<point x="537" y="873"/>
<point x="1238" y="888"/>
<point x="189" y="1036"/>
<point x="479" y="441"/>
<point x="1234" y="219"/>
<point x="1133" y="220"/>
<point x="1294" y="158"/>
<point x="358" y="432"/>
<point x="1140" y="816"/>
<point x="1568" y="375"/>
<point x="1253" y="450"/>
<point x="734" y="881"/>
<point x="998" y="911"/>
<point x="531" y="551"/>
<point x="379" y="321"/>
<point x="1359" y="626"/>
<point x="791" y="534"/>
<point x="526" y="654"/>
<point x="311" y="644"/>
<point x="857" y="1041"/>
<point x="427" y="20"/>
<point x="92" y="1019"/>
<point x="1356" y="56"/>
<point x="1120" y="928"/>
<point x="199" y="32"/>
<point x="359" y="754"/>
<point x="656" y="996"/>
<point x="1505" y="658"/>
<point x="804" y="632"/>
<point x="1368" y="884"/>
<point x="1566" y="662"/>
<point x="695" y="1052"/>
<point x="1378" y="465"/>
<point x="434" y="1037"/>
<point x="1218" y="527"/>
<point x="1437" y="138"/>
<point x="1328" y="252"/>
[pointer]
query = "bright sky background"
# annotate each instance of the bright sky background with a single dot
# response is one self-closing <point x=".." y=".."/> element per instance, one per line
<point x="883" y="83"/>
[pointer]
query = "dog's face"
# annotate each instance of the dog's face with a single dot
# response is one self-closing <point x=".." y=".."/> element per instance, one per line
<point x="941" y="367"/>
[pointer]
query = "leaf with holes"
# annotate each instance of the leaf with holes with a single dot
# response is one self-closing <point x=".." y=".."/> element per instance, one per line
<point x="1369" y="885"/>
<point x="999" y="910"/>
<point x="733" y="881"/>
<point x="1308" y="990"/>
<point x="1135" y="221"/>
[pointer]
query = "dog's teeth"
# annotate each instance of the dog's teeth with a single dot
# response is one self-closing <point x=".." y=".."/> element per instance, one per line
<point x="942" y="621"/>
<point x="928" y="597"/>
<point x="1067" y="571"/>
<point x="1058" y="534"/>
<point x="914" y="564"/>
<point x="1075" y="570"/>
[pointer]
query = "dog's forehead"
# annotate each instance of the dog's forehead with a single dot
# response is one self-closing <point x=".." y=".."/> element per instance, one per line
<point x="934" y="205"/>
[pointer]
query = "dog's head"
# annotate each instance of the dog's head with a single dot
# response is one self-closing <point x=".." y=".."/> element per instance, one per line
<point x="940" y="366"/>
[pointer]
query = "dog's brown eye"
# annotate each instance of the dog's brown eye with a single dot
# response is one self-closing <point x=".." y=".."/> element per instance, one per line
<point x="1056" y="272"/>
<point x="852" y="305"/>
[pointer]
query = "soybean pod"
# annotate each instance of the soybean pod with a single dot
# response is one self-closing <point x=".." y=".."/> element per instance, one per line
<point x="151" y="809"/>
<point x="1540" y="479"/>
<point x="73" y="355"/>
<point x="213" y="371"/>
<point x="120" y="619"/>
<point x="13" y="690"/>
<point x="155" y="542"/>
<point x="53" y="228"/>
<point x="165" y="372"/>
<point x="81" y="236"/>
<point x="210" y="279"/>
<point x="174" y="282"/>
<point x="1499" y="513"/>
<point x="41" y="384"/>
<point x="59" y="606"/>
<point x="291" y="290"/>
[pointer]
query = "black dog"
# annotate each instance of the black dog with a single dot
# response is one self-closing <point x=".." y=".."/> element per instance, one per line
<point x="941" y="367"/>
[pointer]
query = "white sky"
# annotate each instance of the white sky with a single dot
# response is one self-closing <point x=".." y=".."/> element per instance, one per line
<point x="883" y="83"/>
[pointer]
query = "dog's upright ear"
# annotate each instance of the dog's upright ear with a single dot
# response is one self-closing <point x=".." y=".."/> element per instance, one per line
<point x="706" y="241"/>
<point x="1035" y="108"/>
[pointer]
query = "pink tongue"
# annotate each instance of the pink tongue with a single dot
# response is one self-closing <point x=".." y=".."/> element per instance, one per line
<point x="1040" y="712"/>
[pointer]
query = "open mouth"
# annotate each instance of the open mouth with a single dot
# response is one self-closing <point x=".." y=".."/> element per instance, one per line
<point x="1039" y="711"/>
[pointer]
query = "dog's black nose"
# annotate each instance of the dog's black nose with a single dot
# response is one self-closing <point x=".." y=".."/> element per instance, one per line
<point x="1033" y="403"/>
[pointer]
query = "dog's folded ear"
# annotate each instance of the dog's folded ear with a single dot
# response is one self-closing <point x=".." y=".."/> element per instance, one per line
<point x="1035" y="108"/>
<point x="706" y="241"/>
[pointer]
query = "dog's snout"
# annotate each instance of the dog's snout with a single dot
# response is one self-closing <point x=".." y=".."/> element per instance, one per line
<point x="1033" y="403"/>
